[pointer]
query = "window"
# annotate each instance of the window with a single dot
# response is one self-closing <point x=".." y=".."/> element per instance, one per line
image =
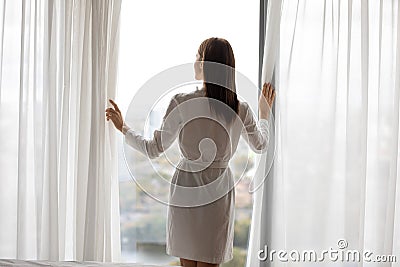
<point x="155" y="36"/>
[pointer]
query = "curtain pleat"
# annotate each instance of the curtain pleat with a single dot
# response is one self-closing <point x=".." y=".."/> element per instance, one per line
<point x="3" y="16"/>
<point x="23" y="209"/>
<point x="393" y="227"/>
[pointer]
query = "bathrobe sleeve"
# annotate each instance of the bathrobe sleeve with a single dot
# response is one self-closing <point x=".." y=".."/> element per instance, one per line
<point x="255" y="134"/>
<point x="162" y="138"/>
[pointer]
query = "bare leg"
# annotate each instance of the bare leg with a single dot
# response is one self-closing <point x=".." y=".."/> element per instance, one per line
<point x="205" y="264"/>
<point x="188" y="263"/>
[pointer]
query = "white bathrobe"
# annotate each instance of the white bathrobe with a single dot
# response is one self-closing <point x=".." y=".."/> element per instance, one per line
<point x="200" y="218"/>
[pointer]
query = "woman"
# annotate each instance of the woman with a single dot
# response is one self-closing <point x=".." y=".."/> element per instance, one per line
<point x="202" y="235"/>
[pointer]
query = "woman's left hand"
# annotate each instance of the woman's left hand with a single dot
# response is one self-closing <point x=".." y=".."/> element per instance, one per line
<point x="115" y="115"/>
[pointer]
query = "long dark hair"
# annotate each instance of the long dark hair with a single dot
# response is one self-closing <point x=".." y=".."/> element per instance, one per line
<point x="219" y="50"/>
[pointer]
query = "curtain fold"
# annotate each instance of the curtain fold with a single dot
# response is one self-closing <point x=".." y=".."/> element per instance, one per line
<point x="59" y="195"/>
<point x="260" y="230"/>
<point x="335" y="178"/>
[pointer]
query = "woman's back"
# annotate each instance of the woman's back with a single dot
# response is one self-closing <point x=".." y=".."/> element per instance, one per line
<point x="206" y="136"/>
<point x="202" y="199"/>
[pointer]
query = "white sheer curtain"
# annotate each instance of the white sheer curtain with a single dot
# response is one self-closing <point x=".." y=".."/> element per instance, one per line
<point x="59" y="183"/>
<point x="336" y="172"/>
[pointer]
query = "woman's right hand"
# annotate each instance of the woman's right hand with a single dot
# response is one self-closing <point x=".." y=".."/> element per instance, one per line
<point x="266" y="101"/>
<point x="115" y="115"/>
